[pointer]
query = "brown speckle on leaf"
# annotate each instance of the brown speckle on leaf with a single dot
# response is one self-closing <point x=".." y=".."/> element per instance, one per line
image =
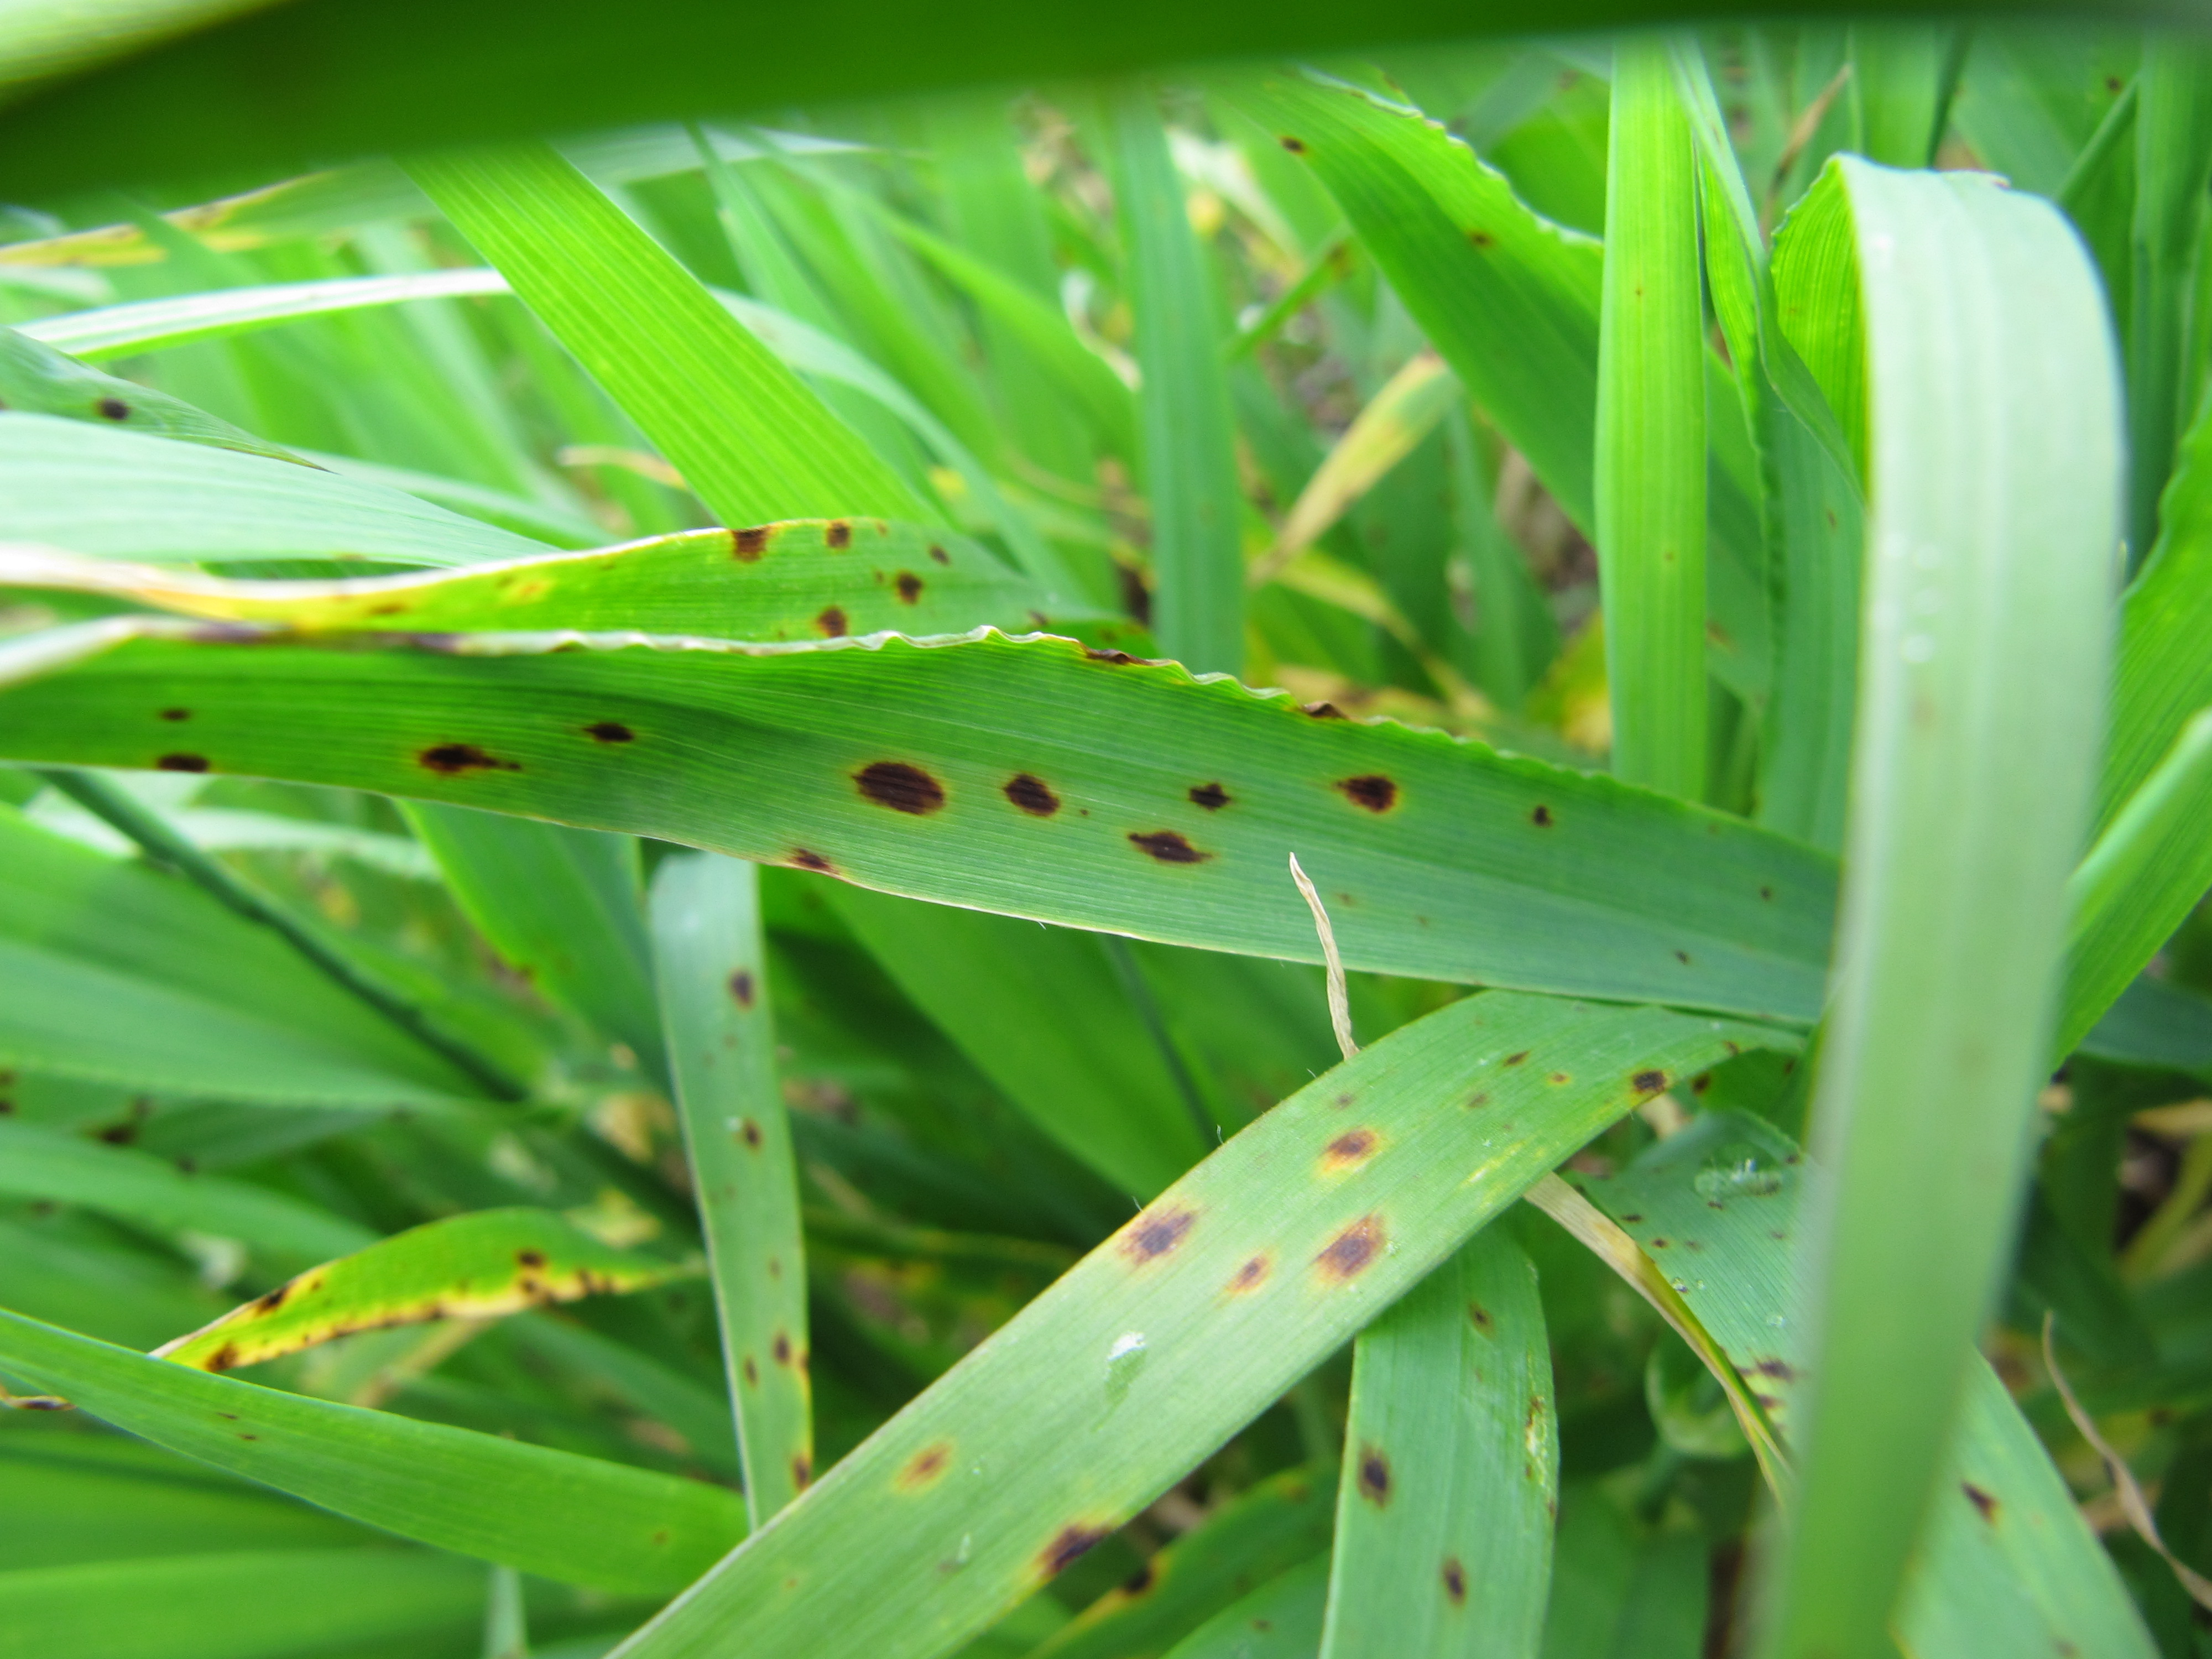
<point x="1479" y="1317"/>
<point x="742" y="987"/>
<point x="750" y="1132"/>
<point x="1321" y="711"/>
<point x="923" y="1469"/>
<point x="1296" y="146"/>
<point x="1454" y="1580"/>
<point x="832" y="622"/>
<point x="801" y="859"/>
<point x="1139" y="1581"/>
<point x="1072" y="1542"/>
<point x="1481" y="239"/>
<point x="1682" y="956"/>
<point x="1152" y="1236"/>
<point x="223" y="1357"/>
<point x="802" y="1471"/>
<point x="1481" y="1098"/>
<point x="1348" y="1151"/>
<point x="452" y="758"/>
<point x="1767" y="892"/>
<point x="939" y="554"/>
<point x="273" y="1300"/>
<point x="1119" y="659"/>
<point x="1780" y="1370"/>
<point x="1168" y="845"/>
<point x="1372" y="790"/>
<point x="749" y="545"/>
<point x="901" y="788"/>
<point x="837" y="533"/>
<point x="1518" y="1059"/>
<point x="1032" y="794"/>
<point x="1250" y="1276"/>
<point x="112" y="408"/>
<point x="183" y="762"/>
<point x="1985" y="1503"/>
<point x="533" y="1260"/>
<point x="611" y="732"/>
<point x="751" y="1371"/>
<point x="176" y="714"/>
<point x="1541" y="817"/>
<point x="1211" y="796"/>
<point x="1649" y="1082"/>
<point x="1352" y="1251"/>
<point x="780" y="1349"/>
<point x="1374" y="1475"/>
<point x="908" y="586"/>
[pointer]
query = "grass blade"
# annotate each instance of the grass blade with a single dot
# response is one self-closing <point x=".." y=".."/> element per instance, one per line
<point x="1444" y="1525"/>
<point x="1902" y="82"/>
<point x="1993" y="514"/>
<point x="2173" y="156"/>
<point x="1649" y="488"/>
<point x="573" y="1519"/>
<point x="1190" y="462"/>
<point x="1281" y="1620"/>
<point x="749" y="438"/>
<point x="37" y="380"/>
<point x="478" y="1265"/>
<point x="713" y="973"/>
<point x="1273" y="1250"/>
<point x="1460" y="863"/>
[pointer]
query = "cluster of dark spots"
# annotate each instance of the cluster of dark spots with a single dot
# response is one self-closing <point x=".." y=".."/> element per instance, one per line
<point x="1353" y="1250"/>
<point x="908" y="586"/>
<point x="112" y="408"/>
<point x="837" y="533"/>
<point x="780" y="1349"/>
<point x="183" y="762"/>
<point x="176" y="714"/>
<point x="1516" y="1059"/>
<point x="831" y="623"/>
<point x="1374" y="1475"/>
<point x="925" y="1466"/>
<point x="1138" y="1581"/>
<point x="741" y="987"/>
<point x="801" y="859"/>
<point x="1349" y="1150"/>
<point x="1454" y="1580"/>
<point x="611" y="732"/>
<point x="455" y="758"/>
<point x="1032" y="794"/>
<point x="749" y="545"/>
<point x="1249" y="1277"/>
<point x="1372" y="790"/>
<point x="1321" y="711"/>
<point x="1296" y="146"/>
<point x="1541" y="817"/>
<point x="1072" y="1543"/>
<point x="802" y="1471"/>
<point x="1211" y="796"/>
<point x="1649" y="1083"/>
<point x="1168" y="845"/>
<point x="750" y="1132"/>
<point x="939" y="554"/>
<point x="1985" y="1503"/>
<point x="1150" y="1237"/>
<point x="901" y="788"/>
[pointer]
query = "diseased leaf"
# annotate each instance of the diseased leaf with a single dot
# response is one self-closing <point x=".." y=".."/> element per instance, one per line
<point x="1281" y="1620"/>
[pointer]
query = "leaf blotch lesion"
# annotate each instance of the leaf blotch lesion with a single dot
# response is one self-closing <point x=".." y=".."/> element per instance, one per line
<point x="743" y="988"/>
<point x="181" y="762"/>
<point x="1070" y="1544"/>
<point x="1156" y="1233"/>
<point x="452" y="759"/>
<point x="1370" y="790"/>
<point x="900" y="786"/>
<point x="609" y="731"/>
<point x="1353" y="1251"/>
<point x="1249" y="1277"/>
<point x="831" y="623"/>
<point x="1032" y="794"/>
<point x="1455" y="1578"/>
<point x="909" y="588"/>
<point x="1649" y="1081"/>
<point x="1168" y="845"/>
<point x="1541" y="817"/>
<point x="837" y="534"/>
<point x="1349" y="1150"/>
<point x="1374" y="1475"/>
<point x="801" y="857"/>
<point x="1985" y="1502"/>
<point x="802" y="1472"/>
<point x="750" y="544"/>
<point x="925" y="1468"/>
<point x="750" y="1132"/>
<point x="1211" y="796"/>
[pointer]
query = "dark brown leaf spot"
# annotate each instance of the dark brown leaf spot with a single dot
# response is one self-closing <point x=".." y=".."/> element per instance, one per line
<point x="837" y="533"/>
<point x="802" y="1472"/>
<point x="1374" y="1475"/>
<point x="1168" y="845"/>
<point x="832" y="622"/>
<point x="452" y="758"/>
<point x="1138" y="1581"/>
<point x="273" y="1301"/>
<point x="1321" y="711"/>
<point x="611" y="732"/>
<point x="1482" y="240"/>
<point x="749" y="545"/>
<point x="1541" y="817"/>
<point x="1985" y="1503"/>
<point x="1373" y="791"/>
<point x="1152" y="1236"/>
<point x="1352" y="1250"/>
<point x="1682" y="956"/>
<point x="533" y="1260"/>
<point x="1348" y="1151"/>
<point x="923" y="1469"/>
<point x="1649" y="1083"/>
<point x="1481" y="1098"/>
<point x="1479" y="1316"/>
<point x="176" y="714"/>
<point x="1516" y="1059"/>
<point x="183" y="762"/>
<point x="1073" y="1542"/>
<point x="1658" y="1244"/>
<point x="1767" y="892"/>
<point x="802" y="860"/>
<point x="940" y="555"/>
<point x="1560" y="1079"/>
<point x="780" y="1349"/>
<point x="1250" y="1276"/>
<point x="223" y="1357"/>
<point x="112" y="408"/>
<point x="742" y="987"/>
<point x="1119" y="659"/>
<point x="1780" y="1370"/>
<point x="751" y="1371"/>
<point x="1296" y="146"/>
<point x="901" y="788"/>
<point x="1454" y="1580"/>
<point x="1032" y="795"/>
<point x="1211" y="796"/>
<point x="750" y="1132"/>
<point x="908" y="586"/>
